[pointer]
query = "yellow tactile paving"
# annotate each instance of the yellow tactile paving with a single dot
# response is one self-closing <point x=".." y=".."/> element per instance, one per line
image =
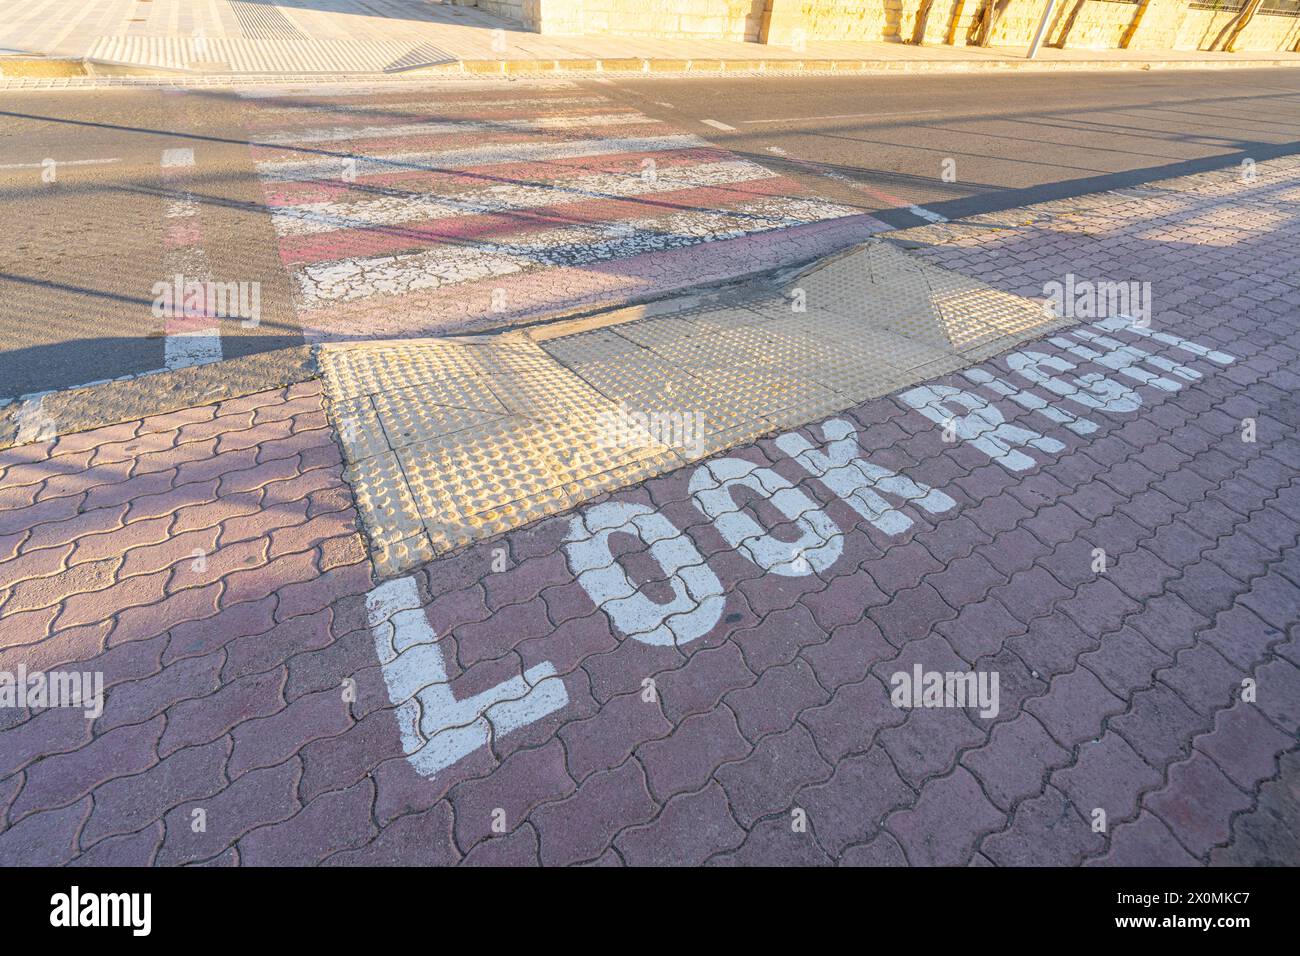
<point x="358" y="428"/>
<point x="383" y="493"/>
<point x="409" y="417"/>
<point x="453" y="440"/>
<point x="659" y="389"/>
<point x="595" y="346"/>
<point x="372" y="368"/>
<point x="883" y="287"/>
<point x="399" y="556"/>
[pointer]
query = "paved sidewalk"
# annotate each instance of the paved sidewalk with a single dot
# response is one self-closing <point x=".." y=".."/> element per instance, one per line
<point x="394" y="36"/>
<point x="661" y="676"/>
<point x="437" y="432"/>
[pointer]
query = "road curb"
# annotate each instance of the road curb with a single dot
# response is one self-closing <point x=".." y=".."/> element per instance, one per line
<point x="39" y="417"/>
<point x="40" y="68"/>
<point x="821" y="66"/>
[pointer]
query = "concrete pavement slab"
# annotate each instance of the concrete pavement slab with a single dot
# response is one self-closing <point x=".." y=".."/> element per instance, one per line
<point x="493" y="434"/>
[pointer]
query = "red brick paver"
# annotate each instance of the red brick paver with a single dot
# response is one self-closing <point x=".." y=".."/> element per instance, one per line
<point x="208" y="564"/>
<point x="156" y="582"/>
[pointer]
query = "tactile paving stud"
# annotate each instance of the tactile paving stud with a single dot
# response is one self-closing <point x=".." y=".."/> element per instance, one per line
<point x="409" y="418"/>
<point x="450" y="441"/>
<point x="387" y="508"/>
<point x="358" y="428"/>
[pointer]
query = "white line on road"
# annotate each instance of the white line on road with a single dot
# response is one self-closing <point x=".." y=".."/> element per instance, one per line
<point x="464" y="157"/>
<point x="716" y="125"/>
<point x="188" y="341"/>
<point x="420" y="107"/>
<point x="177" y="157"/>
<point x="312" y="218"/>
<point x="579" y="246"/>
<point x="200" y="347"/>
<point x="926" y="214"/>
<point x="61" y="162"/>
<point x="454" y="127"/>
<point x="29" y="397"/>
<point x="919" y="211"/>
<point x="804" y="119"/>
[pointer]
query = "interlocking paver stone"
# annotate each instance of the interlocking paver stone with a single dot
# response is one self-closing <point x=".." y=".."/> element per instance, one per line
<point x="1197" y="804"/>
<point x="253" y="685"/>
<point x="945" y="823"/>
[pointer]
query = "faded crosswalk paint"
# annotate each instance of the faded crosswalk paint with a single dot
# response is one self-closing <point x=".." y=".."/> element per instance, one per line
<point x="408" y="214"/>
<point x="193" y="336"/>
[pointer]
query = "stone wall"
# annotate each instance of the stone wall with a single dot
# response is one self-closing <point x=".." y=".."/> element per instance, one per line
<point x="524" y="12"/>
<point x="1084" y="24"/>
<point x="672" y="19"/>
<point x="1270" y="33"/>
<point x="1097" y="24"/>
<point x="791" y="20"/>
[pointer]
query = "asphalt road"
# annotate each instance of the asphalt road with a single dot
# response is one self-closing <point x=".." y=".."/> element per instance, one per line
<point x="80" y="255"/>
<point x="1012" y="140"/>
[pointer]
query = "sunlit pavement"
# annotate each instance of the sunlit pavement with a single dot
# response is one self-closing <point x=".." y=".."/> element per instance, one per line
<point x="447" y="206"/>
<point x="652" y="678"/>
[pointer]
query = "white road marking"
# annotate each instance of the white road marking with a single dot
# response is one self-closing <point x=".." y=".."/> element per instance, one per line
<point x="440" y="127"/>
<point x="820" y="541"/>
<point x="299" y="170"/>
<point x="177" y="157"/>
<point x="422" y="106"/>
<point x="803" y="119"/>
<point x="1091" y="391"/>
<point x="1122" y="359"/>
<point x="877" y="194"/>
<point x="839" y="466"/>
<point x="716" y="125"/>
<point x="188" y="342"/>
<point x="37" y="396"/>
<point x="361" y="277"/>
<point x="61" y="162"/>
<point x="197" y="347"/>
<point x="436" y="728"/>
<point x="926" y="214"/>
<point x="698" y="597"/>
<point x="1030" y="401"/>
<point x="32" y="421"/>
<point x="345" y="89"/>
<point x="1124" y="323"/>
<point x="311" y="218"/>
<point x="837" y="463"/>
<point x="983" y="426"/>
